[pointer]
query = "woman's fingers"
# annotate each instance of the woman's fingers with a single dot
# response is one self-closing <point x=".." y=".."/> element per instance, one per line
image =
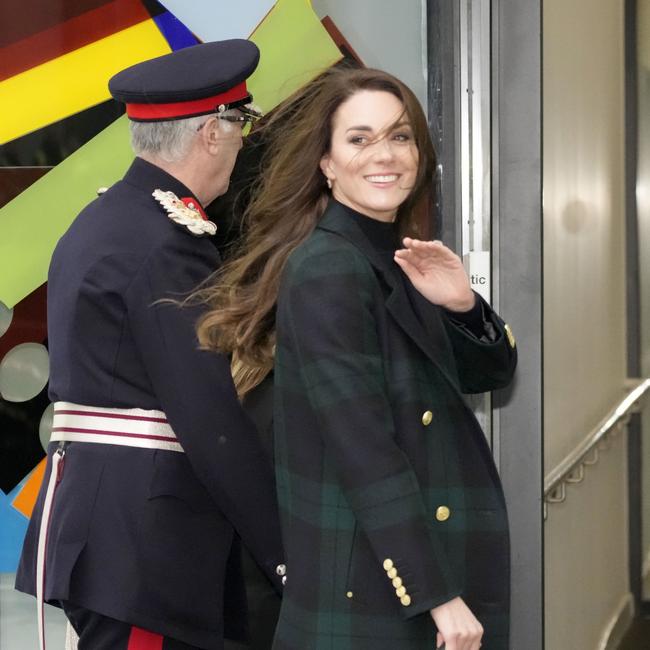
<point x="463" y="639"/>
<point x="407" y="266"/>
<point x="457" y="626"/>
<point x="430" y="252"/>
<point x="422" y="244"/>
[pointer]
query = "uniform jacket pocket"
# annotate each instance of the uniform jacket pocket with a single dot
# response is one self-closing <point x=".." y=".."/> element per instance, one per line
<point x="173" y="477"/>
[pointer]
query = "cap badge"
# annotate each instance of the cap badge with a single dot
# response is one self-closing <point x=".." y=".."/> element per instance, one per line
<point x="185" y="213"/>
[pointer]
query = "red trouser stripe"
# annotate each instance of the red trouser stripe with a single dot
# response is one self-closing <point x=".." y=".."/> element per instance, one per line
<point x="140" y="639"/>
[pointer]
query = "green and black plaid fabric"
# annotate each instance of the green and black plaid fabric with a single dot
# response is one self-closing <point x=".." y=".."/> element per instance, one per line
<point x="389" y="498"/>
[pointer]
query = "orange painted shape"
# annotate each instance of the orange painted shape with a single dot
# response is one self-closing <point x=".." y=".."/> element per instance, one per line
<point x="26" y="499"/>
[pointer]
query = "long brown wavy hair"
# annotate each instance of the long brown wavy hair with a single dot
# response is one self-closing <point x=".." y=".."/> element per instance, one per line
<point x="286" y="206"/>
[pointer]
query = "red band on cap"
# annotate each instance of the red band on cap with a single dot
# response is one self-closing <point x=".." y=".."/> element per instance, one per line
<point x="185" y="109"/>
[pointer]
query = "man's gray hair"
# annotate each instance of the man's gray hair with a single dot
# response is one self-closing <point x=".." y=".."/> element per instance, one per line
<point x="170" y="140"/>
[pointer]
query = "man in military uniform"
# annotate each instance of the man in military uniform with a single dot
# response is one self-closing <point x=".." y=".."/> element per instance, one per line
<point x="153" y="466"/>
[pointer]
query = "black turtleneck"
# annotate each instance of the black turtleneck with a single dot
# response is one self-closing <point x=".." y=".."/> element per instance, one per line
<point x="381" y="234"/>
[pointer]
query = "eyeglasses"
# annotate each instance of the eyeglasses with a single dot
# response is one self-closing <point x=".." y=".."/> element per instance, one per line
<point x="247" y="118"/>
<point x="237" y="118"/>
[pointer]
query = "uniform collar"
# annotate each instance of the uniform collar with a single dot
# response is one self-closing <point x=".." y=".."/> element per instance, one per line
<point x="148" y="177"/>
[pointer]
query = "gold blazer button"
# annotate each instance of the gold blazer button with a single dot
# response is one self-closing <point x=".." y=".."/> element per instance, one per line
<point x="392" y="573"/>
<point x="510" y="335"/>
<point x="427" y="418"/>
<point x="405" y="600"/>
<point x="401" y="592"/>
<point x="388" y="564"/>
<point x="397" y="582"/>
<point x="443" y="513"/>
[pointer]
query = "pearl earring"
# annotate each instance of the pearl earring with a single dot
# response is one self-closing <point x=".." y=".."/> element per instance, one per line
<point x="329" y="182"/>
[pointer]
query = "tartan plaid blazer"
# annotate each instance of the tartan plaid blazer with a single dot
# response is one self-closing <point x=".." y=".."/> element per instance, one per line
<point x="389" y="497"/>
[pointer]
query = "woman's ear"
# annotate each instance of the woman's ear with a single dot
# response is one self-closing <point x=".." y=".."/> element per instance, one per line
<point x="326" y="167"/>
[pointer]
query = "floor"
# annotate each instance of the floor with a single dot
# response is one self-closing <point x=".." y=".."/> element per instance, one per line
<point x="19" y="627"/>
<point x="638" y="636"/>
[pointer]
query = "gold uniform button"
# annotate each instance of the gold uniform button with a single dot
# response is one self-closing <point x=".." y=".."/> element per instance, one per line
<point x="388" y="564"/>
<point x="397" y="582"/>
<point x="427" y="418"/>
<point x="511" y="336"/>
<point x="392" y="573"/>
<point x="443" y="513"/>
<point x="405" y="600"/>
<point x="350" y="594"/>
<point x="401" y="592"/>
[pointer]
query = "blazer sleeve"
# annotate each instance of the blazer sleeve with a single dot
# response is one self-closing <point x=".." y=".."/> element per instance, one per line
<point x="327" y="307"/>
<point x="486" y="362"/>
<point x="196" y="392"/>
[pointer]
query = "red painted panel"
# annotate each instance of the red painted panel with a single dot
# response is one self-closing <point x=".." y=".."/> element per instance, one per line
<point x="70" y="35"/>
<point x="22" y="18"/>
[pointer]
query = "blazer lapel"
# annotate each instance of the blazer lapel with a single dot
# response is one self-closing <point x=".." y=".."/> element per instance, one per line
<point x="429" y="334"/>
<point x="398" y="303"/>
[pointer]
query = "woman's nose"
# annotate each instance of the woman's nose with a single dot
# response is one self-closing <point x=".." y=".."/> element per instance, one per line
<point x="383" y="149"/>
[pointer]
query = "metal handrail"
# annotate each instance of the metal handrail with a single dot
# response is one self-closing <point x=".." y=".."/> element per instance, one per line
<point x="572" y="468"/>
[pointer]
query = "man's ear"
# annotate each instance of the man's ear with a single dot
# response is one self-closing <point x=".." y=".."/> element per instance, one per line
<point x="211" y="134"/>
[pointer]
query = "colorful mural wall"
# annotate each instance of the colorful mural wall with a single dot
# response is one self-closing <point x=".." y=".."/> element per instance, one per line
<point x="62" y="138"/>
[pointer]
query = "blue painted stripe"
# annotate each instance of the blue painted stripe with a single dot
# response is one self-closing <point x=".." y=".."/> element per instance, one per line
<point x="175" y="32"/>
<point x="13" y="526"/>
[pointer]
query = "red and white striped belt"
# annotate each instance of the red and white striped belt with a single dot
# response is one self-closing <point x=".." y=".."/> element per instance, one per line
<point x="98" y="425"/>
<point x="109" y="426"/>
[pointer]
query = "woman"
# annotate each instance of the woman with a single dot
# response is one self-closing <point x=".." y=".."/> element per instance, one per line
<point x="393" y="514"/>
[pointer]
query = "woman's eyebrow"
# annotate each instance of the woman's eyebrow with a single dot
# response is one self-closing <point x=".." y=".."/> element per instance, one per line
<point x="398" y="125"/>
<point x="360" y="128"/>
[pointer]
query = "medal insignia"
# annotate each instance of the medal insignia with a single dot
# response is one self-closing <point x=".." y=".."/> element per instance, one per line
<point x="186" y="213"/>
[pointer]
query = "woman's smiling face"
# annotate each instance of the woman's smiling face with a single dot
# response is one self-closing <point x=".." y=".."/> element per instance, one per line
<point x="372" y="163"/>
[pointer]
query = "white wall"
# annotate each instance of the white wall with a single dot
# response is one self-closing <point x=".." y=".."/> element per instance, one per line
<point x="584" y="310"/>
<point x="385" y="34"/>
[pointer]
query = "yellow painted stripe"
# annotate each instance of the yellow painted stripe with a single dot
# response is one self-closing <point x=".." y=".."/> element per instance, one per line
<point x="73" y="82"/>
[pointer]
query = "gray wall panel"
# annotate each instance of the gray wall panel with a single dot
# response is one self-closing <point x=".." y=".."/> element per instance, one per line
<point x="517" y="198"/>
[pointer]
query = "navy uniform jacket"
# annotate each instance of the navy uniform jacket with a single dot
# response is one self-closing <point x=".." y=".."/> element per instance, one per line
<point x="389" y="497"/>
<point x="143" y="535"/>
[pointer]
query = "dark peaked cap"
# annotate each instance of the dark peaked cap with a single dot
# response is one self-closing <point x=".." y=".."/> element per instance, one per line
<point x="197" y="80"/>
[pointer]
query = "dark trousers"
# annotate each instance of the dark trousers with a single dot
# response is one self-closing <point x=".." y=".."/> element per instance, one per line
<point x="97" y="632"/>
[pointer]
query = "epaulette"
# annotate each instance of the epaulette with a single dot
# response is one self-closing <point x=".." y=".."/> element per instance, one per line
<point x="186" y="213"/>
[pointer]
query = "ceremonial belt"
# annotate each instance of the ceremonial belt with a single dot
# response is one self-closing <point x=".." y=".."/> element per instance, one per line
<point x="98" y="425"/>
<point x="125" y="427"/>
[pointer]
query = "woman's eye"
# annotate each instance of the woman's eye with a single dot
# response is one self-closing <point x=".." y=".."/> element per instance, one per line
<point x="402" y="137"/>
<point x="358" y="139"/>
